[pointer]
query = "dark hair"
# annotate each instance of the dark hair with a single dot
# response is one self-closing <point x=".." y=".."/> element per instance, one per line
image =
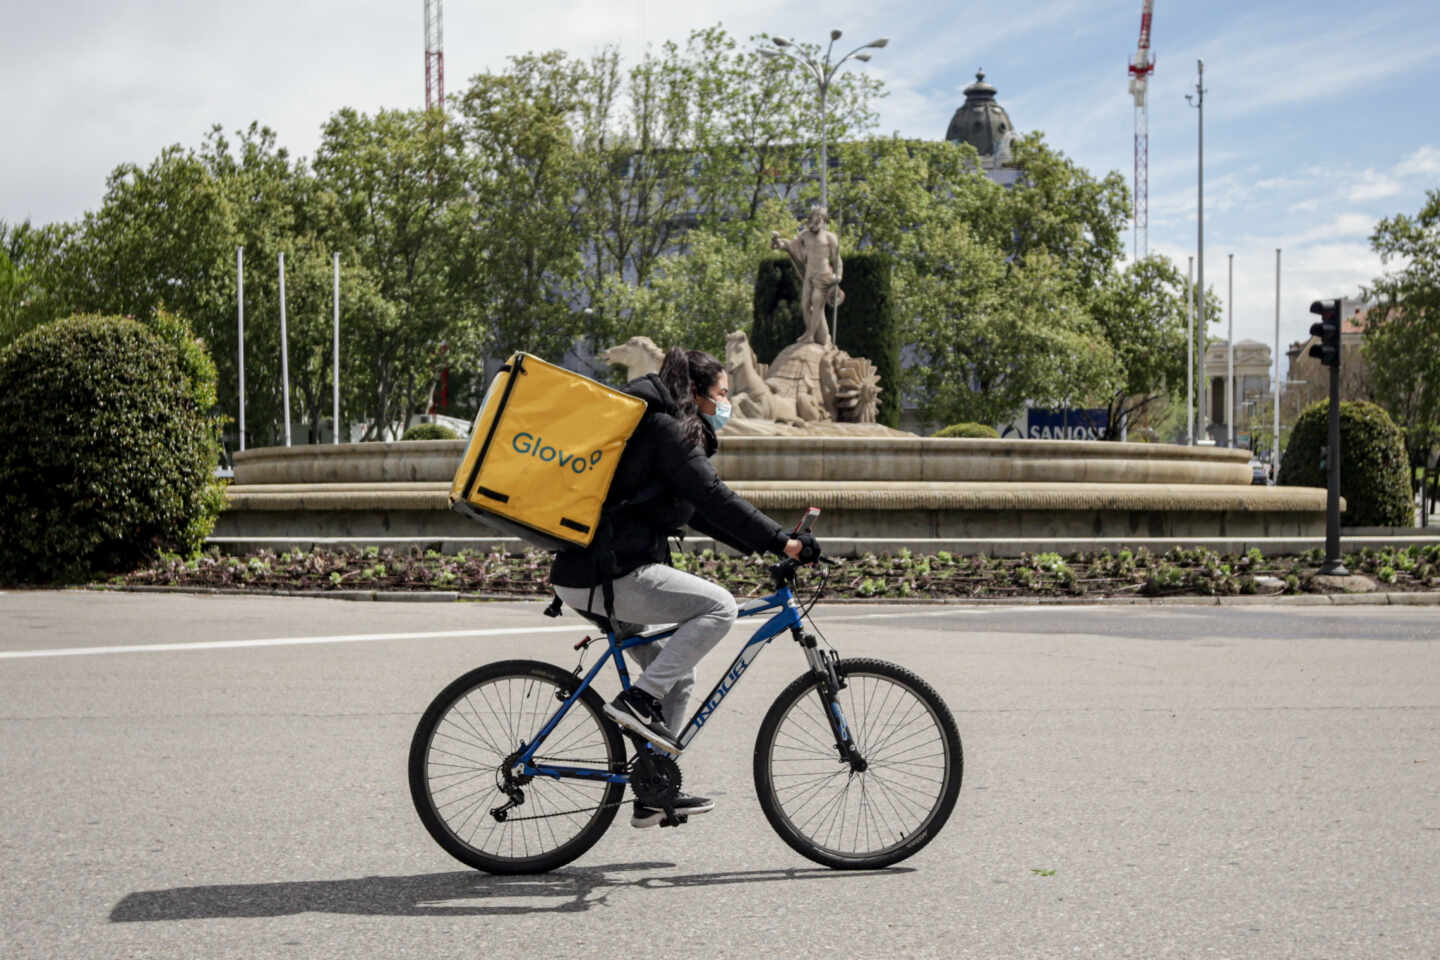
<point x="685" y="374"/>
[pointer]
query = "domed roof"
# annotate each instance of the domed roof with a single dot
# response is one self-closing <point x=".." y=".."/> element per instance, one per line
<point x="982" y="123"/>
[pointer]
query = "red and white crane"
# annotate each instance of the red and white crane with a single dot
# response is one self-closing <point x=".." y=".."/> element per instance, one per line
<point x="1141" y="66"/>
<point x="434" y="55"/>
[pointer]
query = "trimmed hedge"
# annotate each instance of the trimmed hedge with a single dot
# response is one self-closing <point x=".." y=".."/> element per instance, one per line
<point x="974" y="431"/>
<point x="867" y="327"/>
<point x="778" y="318"/>
<point x="106" y="458"/>
<point x="1374" y="469"/>
<point x="867" y="319"/>
<point x="430" y="431"/>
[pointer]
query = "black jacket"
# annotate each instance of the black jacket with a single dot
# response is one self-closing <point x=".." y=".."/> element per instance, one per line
<point x="661" y="484"/>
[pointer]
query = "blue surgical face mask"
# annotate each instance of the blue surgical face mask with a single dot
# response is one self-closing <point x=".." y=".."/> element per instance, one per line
<point x="720" y="417"/>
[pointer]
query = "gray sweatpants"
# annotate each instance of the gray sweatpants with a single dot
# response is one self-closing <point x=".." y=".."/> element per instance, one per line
<point x="657" y="594"/>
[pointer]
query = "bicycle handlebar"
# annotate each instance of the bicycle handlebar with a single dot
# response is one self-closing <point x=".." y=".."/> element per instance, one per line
<point x="784" y="571"/>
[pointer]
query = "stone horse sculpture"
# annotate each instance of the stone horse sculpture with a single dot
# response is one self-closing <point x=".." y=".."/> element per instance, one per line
<point x="808" y="383"/>
<point x="638" y="355"/>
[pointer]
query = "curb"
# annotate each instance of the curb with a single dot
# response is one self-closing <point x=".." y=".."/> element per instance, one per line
<point x="1415" y="599"/>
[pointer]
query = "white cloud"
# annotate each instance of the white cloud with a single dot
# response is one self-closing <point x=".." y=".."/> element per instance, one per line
<point x="1424" y="162"/>
<point x="1374" y="186"/>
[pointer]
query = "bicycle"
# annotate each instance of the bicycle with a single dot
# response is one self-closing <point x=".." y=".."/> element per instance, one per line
<point x="857" y="763"/>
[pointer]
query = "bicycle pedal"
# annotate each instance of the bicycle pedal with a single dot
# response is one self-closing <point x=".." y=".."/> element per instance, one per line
<point x="679" y="819"/>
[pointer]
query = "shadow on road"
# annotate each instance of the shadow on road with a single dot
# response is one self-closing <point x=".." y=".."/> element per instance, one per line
<point x="465" y="893"/>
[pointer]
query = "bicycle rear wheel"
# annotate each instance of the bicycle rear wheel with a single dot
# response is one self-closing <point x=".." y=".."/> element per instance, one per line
<point x="463" y="749"/>
<point x="864" y="819"/>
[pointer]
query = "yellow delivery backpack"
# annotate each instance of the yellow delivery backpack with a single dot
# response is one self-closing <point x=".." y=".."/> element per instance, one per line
<point x="543" y="452"/>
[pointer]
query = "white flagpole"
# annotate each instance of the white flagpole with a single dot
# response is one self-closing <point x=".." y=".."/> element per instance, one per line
<point x="1279" y="378"/>
<point x="240" y="311"/>
<point x="284" y="352"/>
<point x="335" y="422"/>
<point x="1190" y="353"/>
<point x="1230" y="355"/>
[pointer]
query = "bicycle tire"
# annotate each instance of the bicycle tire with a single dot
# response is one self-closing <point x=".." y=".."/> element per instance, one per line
<point x="459" y="749"/>
<point x="814" y="801"/>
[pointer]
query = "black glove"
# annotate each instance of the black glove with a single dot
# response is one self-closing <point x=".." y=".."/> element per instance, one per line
<point x="809" y="548"/>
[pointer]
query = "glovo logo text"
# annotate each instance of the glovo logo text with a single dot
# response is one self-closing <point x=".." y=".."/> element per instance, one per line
<point x="535" y="446"/>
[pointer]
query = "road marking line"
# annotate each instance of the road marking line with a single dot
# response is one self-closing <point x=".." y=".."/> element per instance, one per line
<point x="962" y="611"/>
<point x="280" y="642"/>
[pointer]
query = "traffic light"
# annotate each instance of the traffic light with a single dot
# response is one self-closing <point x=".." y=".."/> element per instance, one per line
<point x="1328" y="330"/>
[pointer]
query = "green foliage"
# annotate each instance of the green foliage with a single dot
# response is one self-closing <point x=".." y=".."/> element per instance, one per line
<point x="778" y="319"/>
<point x="995" y="289"/>
<point x="429" y="431"/>
<point x="105" y="457"/>
<point x="867" y="326"/>
<point x="1374" y="471"/>
<point x="1141" y="311"/>
<point x="698" y="295"/>
<point x="974" y="431"/>
<point x="1402" y="332"/>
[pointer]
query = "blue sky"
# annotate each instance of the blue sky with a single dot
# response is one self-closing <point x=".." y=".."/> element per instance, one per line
<point x="1319" y="116"/>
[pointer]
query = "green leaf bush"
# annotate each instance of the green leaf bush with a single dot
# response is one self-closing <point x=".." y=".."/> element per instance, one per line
<point x="107" y="449"/>
<point x="977" y="431"/>
<point x="429" y="431"/>
<point x="1374" y="469"/>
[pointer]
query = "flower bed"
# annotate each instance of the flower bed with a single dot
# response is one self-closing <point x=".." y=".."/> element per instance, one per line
<point x="940" y="575"/>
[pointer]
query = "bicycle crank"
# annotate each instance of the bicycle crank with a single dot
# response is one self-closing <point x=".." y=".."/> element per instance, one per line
<point x="656" y="782"/>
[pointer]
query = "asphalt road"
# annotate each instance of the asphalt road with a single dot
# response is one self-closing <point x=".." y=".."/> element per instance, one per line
<point x="188" y="776"/>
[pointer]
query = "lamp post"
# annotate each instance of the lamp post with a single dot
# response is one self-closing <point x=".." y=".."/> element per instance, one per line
<point x="1190" y="354"/>
<point x="1199" y="103"/>
<point x="823" y="72"/>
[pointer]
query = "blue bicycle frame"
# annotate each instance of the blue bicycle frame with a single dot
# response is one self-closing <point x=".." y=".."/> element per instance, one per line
<point x="787" y="617"/>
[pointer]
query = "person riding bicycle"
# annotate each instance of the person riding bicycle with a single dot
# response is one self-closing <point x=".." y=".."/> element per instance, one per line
<point x="663" y="482"/>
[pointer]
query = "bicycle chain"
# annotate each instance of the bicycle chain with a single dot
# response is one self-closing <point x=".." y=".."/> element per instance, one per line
<point x="566" y="813"/>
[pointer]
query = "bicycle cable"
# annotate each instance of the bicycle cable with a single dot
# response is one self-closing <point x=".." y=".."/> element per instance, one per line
<point x="819" y="591"/>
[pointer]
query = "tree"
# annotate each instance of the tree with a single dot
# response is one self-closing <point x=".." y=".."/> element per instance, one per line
<point x="32" y="290"/>
<point x="397" y="182"/>
<point x="1141" y="312"/>
<point x="699" y="294"/>
<point x="164" y="234"/>
<point x="995" y="293"/>
<point x="520" y="254"/>
<point x="1402" y="331"/>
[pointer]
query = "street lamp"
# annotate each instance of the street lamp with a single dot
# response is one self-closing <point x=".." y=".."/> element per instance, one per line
<point x="1199" y="103"/>
<point x="823" y="72"/>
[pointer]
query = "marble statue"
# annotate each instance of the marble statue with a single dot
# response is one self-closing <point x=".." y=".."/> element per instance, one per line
<point x="815" y="251"/>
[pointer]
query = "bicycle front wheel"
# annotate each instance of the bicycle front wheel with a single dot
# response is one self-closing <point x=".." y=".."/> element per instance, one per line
<point x="462" y="769"/>
<point x="859" y="819"/>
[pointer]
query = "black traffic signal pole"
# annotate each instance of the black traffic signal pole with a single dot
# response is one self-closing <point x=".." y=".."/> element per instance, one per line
<point x="1328" y="350"/>
<point x="1333" y="565"/>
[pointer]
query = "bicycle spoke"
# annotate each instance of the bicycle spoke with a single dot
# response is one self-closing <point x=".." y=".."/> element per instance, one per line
<point x="858" y="815"/>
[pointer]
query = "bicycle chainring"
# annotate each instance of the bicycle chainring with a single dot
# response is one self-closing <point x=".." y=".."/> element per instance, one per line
<point x="660" y="784"/>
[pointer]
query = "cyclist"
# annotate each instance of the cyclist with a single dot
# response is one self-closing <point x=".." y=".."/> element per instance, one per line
<point x="664" y="481"/>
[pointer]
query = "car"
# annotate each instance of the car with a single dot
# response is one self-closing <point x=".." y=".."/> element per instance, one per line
<point x="1259" y="472"/>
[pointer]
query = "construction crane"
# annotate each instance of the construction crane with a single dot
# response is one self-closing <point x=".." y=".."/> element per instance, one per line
<point x="434" y="55"/>
<point x="1141" y="66"/>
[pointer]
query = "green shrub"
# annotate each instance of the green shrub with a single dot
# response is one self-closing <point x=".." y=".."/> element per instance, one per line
<point x="429" y="431"/>
<point x="1374" y="470"/>
<point x="106" y="452"/>
<point x="868" y="329"/>
<point x="976" y="431"/>
<point x="778" y="319"/>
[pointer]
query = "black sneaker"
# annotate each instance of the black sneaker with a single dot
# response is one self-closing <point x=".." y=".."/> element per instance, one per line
<point x="644" y="816"/>
<point x="637" y="711"/>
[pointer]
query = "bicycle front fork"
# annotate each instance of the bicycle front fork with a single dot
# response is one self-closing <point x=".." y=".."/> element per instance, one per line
<point x="828" y="685"/>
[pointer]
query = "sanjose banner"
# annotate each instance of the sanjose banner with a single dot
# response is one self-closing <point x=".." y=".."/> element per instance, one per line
<point x="1068" y="424"/>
